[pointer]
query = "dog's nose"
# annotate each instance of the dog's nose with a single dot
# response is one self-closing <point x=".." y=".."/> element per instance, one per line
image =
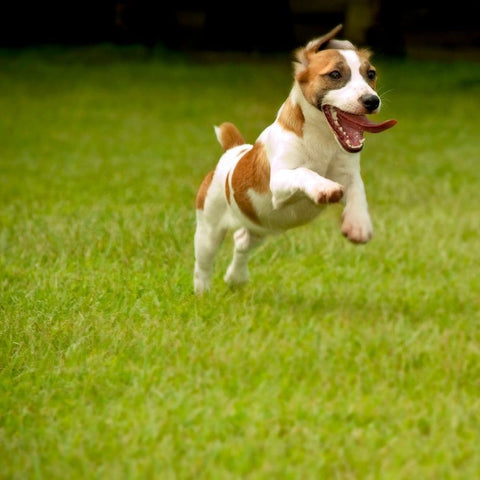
<point x="370" y="102"/>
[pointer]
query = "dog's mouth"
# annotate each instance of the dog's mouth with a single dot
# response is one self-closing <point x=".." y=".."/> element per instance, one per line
<point x="349" y="128"/>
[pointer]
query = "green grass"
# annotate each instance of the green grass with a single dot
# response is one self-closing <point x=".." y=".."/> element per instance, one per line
<point x="335" y="362"/>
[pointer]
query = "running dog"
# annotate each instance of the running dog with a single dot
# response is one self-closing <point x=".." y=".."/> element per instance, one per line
<point x="307" y="158"/>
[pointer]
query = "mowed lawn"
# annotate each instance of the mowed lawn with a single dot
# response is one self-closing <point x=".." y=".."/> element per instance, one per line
<point x="335" y="362"/>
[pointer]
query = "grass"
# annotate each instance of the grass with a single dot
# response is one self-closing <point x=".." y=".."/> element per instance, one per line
<point x="336" y="361"/>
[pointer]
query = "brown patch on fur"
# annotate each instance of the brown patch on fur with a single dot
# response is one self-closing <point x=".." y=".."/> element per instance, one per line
<point x="364" y="53"/>
<point x="202" y="191"/>
<point x="227" y="188"/>
<point x="314" y="79"/>
<point x="291" y="118"/>
<point x="252" y="172"/>
<point x="229" y="136"/>
<point x="365" y="65"/>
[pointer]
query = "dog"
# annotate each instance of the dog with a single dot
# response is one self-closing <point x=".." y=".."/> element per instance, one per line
<point x="307" y="158"/>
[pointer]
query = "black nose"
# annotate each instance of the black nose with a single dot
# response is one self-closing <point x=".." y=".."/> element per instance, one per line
<point x="370" y="102"/>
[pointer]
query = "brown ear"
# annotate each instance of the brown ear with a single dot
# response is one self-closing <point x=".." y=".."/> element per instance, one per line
<point x="313" y="46"/>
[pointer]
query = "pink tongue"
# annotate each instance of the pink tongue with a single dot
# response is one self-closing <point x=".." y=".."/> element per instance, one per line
<point x="363" y="123"/>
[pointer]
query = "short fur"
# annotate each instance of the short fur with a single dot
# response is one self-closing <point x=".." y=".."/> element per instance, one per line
<point x="294" y="169"/>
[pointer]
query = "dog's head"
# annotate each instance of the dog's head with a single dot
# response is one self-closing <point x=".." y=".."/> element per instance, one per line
<point x="338" y="79"/>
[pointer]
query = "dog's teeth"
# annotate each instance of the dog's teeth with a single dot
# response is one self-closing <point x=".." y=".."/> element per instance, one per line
<point x="342" y="133"/>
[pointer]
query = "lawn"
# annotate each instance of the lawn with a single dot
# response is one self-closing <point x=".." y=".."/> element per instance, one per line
<point x="335" y="362"/>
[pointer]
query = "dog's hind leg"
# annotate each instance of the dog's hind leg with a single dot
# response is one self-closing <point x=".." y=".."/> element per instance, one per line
<point x="208" y="238"/>
<point x="244" y="242"/>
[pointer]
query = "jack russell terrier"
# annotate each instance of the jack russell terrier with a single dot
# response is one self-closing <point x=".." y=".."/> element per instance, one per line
<point x="307" y="158"/>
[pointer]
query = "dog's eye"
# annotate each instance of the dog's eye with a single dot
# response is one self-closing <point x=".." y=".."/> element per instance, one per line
<point x="371" y="74"/>
<point x="335" y="75"/>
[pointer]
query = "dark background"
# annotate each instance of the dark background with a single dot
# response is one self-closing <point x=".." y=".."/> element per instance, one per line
<point x="390" y="27"/>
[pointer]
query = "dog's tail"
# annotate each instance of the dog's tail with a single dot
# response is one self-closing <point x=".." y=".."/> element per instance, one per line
<point x="229" y="136"/>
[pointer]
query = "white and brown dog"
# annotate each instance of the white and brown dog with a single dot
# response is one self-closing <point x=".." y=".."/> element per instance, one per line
<point x="307" y="158"/>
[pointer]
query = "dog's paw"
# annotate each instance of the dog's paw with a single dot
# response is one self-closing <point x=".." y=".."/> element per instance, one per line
<point x="200" y="285"/>
<point x="236" y="277"/>
<point x="329" y="193"/>
<point x="357" y="229"/>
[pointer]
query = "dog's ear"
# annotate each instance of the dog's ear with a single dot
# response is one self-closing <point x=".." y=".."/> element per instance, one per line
<point x="313" y="46"/>
<point x="303" y="54"/>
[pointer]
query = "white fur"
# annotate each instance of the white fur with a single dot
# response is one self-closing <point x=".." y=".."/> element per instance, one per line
<point x="346" y="98"/>
<point x="305" y="171"/>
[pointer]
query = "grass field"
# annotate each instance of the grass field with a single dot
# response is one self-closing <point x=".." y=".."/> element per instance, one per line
<point x="335" y="362"/>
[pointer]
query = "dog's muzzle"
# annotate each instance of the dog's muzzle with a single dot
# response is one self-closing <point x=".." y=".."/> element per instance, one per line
<point x="370" y="102"/>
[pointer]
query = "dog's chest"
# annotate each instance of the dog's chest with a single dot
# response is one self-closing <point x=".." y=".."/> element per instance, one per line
<point x="320" y="150"/>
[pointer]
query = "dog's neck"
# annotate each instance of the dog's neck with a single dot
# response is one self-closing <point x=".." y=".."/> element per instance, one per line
<point x="312" y="114"/>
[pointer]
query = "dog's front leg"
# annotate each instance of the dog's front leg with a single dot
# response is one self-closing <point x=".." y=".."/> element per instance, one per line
<point x="287" y="184"/>
<point x="356" y="226"/>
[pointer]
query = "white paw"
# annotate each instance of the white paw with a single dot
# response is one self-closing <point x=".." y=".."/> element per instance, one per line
<point x="200" y="286"/>
<point x="201" y="281"/>
<point x="330" y="192"/>
<point x="358" y="229"/>
<point x="236" y="277"/>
